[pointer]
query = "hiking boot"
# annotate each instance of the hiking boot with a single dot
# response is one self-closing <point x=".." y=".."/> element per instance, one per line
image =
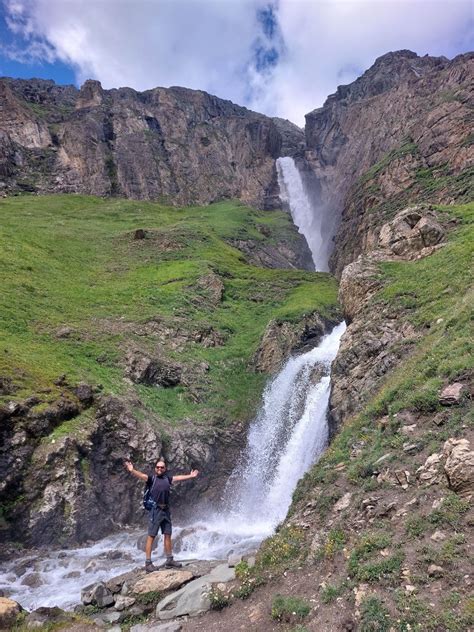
<point x="150" y="568"/>
<point x="170" y="563"/>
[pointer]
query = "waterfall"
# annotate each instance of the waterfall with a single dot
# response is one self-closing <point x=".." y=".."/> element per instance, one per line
<point x="309" y="220"/>
<point x="286" y="438"/>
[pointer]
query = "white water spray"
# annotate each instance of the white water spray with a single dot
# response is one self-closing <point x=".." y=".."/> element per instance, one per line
<point x="287" y="437"/>
<point x="308" y="219"/>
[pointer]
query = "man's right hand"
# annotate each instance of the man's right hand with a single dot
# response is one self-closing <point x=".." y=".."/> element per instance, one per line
<point x="129" y="466"/>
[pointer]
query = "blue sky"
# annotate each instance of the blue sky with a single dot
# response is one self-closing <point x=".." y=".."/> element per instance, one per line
<point x="281" y="57"/>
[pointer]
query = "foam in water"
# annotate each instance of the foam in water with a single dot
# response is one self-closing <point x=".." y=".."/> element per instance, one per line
<point x="287" y="437"/>
<point x="308" y="220"/>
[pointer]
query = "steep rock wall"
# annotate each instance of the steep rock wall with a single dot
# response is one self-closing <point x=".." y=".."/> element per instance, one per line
<point x="185" y="146"/>
<point x="400" y="133"/>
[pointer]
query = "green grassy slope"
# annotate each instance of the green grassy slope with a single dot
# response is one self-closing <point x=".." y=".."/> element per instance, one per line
<point x="72" y="261"/>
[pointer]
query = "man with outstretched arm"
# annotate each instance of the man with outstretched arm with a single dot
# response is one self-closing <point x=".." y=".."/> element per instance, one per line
<point x="160" y="516"/>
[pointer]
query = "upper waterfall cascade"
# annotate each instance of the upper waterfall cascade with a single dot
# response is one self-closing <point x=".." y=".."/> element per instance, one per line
<point x="309" y="220"/>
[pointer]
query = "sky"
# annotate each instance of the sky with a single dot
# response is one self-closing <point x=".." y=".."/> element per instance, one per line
<point x="279" y="57"/>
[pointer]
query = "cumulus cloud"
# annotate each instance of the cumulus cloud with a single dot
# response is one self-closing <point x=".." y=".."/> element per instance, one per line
<point x="281" y="57"/>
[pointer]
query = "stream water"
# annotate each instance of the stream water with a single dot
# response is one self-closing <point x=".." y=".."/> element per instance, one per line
<point x="287" y="436"/>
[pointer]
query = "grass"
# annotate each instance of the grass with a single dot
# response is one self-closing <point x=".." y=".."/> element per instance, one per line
<point x="71" y="260"/>
<point x="281" y="550"/>
<point x="289" y="609"/>
<point x="375" y="617"/>
<point x="363" y="567"/>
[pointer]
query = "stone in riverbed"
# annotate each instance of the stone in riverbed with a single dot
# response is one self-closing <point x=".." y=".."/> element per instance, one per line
<point x="97" y="594"/>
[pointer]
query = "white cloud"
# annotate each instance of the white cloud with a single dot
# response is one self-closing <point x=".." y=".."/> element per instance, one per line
<point x="210" y="44"/>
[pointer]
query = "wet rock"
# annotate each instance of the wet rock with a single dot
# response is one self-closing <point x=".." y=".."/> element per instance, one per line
<point x="97" y="594"/>
<point x="452" y="395"/>
<point x="459" y="466"/>
<point x="281" y="338"/>
<point x="9" y="610"/>
<point x="33" y="580"/>
<point x="161" y="581"/>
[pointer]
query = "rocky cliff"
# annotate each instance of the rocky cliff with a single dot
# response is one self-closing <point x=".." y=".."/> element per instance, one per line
<point x="400" y="133"/>
<point x="185" y="146"/>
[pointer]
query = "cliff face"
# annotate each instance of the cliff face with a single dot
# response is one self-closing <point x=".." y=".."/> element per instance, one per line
<point x="183" y="145"/>
<point x="402" y="131"/>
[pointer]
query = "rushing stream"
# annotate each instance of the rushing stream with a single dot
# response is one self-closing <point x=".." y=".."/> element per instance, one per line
<point x="288" y="435"/>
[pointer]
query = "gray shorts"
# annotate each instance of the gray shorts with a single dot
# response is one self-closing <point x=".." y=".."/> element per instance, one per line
<point x="159" y="518"/>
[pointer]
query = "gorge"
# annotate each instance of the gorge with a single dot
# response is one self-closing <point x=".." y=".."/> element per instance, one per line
<point x="380" y="184"/>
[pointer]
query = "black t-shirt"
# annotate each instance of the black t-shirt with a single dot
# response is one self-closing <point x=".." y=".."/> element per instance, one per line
<point x="160" y="488"/>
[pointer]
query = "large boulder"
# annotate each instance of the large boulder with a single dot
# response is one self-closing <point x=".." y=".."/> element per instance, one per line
<point x="409" y="232"/>
<point x="459" y="466"/>
<point x="161" y="581"/>
<point x="9" y="610"/>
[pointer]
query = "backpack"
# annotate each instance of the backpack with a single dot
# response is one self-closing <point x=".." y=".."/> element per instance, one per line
<point x="148" y="502"/>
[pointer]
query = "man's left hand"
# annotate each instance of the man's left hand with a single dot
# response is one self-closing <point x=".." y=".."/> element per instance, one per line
<point x="194" y="473"/>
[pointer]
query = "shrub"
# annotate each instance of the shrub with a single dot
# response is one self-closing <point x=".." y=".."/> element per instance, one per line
<point x="218" y="598"/>
<point x="289" y="609"/>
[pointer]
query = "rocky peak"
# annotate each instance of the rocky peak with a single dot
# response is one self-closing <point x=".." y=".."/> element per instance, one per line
<point x="90" y="95"/>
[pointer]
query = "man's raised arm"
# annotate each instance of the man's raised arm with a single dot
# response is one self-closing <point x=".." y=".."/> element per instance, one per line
<point x="132" y="470"/>
<point x="185" y="477"/>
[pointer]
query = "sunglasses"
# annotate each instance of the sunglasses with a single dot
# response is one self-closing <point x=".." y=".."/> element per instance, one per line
<point x="160" y="467"/>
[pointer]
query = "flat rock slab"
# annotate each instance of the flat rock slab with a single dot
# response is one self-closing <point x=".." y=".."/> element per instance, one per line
<point x="159" y="581"/>
<point x="193" y="599"/>
<point x="172" y="626"/>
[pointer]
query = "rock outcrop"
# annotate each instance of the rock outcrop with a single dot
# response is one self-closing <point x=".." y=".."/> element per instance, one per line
<point x="185" y="146"/>
<point x="400" y="132"/>
<point x="376" y="340"/>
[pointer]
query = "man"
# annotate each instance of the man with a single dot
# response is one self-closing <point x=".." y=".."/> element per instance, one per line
<point x="160" y="516"/>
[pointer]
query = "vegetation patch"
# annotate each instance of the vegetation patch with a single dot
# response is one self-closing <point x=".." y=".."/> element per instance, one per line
<point x="283" y="549"/>
<point x="289" y="609"/>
